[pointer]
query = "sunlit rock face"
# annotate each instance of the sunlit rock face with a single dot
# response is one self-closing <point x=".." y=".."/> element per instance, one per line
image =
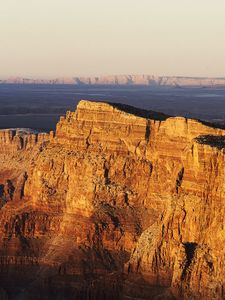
<point x="118" y="203"/>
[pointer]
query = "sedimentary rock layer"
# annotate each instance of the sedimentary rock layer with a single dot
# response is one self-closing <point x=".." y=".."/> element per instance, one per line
<point x="118" y="203"/>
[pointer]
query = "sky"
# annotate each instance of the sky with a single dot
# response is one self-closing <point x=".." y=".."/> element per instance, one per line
<point x="64" y="38"/>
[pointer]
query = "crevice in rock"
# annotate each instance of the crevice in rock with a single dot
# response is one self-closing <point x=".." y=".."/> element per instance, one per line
<point x="190" y="249"/>
<point x="2" y="190"/>
<point x="3" y="199"/>
<point x="126" y="199"/>
<point x="147" y="132"/>
<point x="210" y="265"/>
<point x="10" y="189"/>
<point x="179" y="179"/>
<point x="106" y="173"/>
<point x="17" y="226"/>
<point x="25" y="177"/>
<point x="21" y="141"/>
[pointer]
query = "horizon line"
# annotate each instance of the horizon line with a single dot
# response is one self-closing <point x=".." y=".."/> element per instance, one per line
<point x="49" y="78"/>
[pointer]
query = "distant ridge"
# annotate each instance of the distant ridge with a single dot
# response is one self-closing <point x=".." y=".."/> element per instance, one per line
<point x="131" y="80"/>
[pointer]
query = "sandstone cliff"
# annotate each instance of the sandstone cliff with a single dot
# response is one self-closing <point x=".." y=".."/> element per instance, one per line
<point x="119" y="203"/>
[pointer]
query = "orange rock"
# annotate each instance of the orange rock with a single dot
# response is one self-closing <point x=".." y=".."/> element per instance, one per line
<point x="119" y="201"/>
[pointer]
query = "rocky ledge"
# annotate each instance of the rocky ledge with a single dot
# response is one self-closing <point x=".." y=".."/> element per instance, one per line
<point x="118" y="203"/>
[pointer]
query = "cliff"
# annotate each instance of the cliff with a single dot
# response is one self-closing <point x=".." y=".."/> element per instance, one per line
<point x="119" y="203"/>
<point x="131" y="80"/>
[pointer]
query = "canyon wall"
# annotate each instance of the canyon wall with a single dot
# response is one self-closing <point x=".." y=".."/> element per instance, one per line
<point x="118" y="203"/>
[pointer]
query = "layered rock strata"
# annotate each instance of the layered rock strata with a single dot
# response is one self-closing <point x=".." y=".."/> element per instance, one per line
<point x="119" y="203"/>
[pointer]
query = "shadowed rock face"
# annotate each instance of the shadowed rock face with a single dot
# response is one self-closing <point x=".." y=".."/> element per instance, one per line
<point x="116" y="204"/>
<point x="211" y="140"/>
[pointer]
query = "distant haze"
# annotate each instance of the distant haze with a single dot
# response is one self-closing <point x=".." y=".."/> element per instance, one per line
<point x="51" y="38"/>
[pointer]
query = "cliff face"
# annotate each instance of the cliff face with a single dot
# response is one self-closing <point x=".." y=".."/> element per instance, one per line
<point x="117" y="203"/>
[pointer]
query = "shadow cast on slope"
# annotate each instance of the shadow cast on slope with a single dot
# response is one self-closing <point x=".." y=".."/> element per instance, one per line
<point x="148" y="114"/>
<point x="212" y="140"/>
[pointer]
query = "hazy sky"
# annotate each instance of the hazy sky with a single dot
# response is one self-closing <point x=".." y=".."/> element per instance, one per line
<point x="49" y="38"/>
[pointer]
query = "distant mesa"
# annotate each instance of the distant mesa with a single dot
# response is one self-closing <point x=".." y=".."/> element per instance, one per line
<point x="126" y="80"/>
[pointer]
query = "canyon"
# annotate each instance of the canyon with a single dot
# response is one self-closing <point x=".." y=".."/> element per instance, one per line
<point x="123" y="80"/>
<point x="116" y="203"/>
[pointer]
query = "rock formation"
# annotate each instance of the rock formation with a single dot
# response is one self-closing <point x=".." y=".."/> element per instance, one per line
<point x="118" y="203"/>
<point x="146" y="80"/>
